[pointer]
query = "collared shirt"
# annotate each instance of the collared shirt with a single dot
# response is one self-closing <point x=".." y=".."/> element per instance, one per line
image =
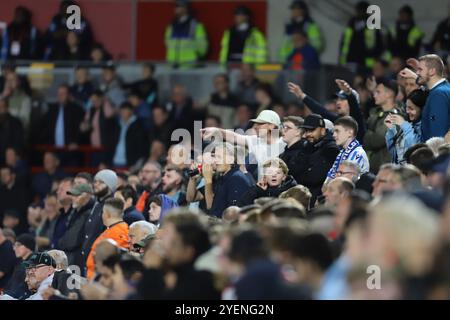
<point x="59" y="128"/>
<point x="437" y="83"/>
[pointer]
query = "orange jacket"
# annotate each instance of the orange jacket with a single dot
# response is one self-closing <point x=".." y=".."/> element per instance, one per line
<point x="117" y="232"/>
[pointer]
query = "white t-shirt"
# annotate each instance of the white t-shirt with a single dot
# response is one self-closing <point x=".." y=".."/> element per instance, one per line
<point x="262" y="151"/>
<point x="38" y="294"/>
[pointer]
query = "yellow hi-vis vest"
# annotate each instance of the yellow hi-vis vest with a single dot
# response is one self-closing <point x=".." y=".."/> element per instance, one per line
<point x="255" y="48"/>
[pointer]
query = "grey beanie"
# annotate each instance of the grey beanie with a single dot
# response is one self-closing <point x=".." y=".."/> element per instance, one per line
<point x="108" y="177"/>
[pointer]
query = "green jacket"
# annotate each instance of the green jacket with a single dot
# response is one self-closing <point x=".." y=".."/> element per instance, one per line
<point x="185" y="52"/>
<point x="374" y="139"/>
<point x="255" y="48"/>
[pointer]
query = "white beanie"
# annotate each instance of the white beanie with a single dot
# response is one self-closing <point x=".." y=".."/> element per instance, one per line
<point x="108" y="177"/>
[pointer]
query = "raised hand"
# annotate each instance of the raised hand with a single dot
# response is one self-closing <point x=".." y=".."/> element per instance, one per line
<point x="344" y="86"/>
<point x="371" y="84"/>
<point x="413" y="63"/>
<point x="407" y="73"/>
<point x="296" y="90"/>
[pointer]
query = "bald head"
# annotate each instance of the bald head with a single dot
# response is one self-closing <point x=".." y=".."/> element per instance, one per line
<point x="338" y="189"/>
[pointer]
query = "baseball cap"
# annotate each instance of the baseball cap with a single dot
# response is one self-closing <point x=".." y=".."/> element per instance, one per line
<point x="242" y="10"/>
<point x="80" y="189"/>
<point x="313" y="121"/>
<point x="27" y="240"/>
<point x="143" y="243"/>
<point x="39" y="258"/>
<point x="268" y="116"/>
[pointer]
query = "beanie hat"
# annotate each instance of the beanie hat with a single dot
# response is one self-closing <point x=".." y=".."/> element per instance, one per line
<point x="108" y="177"/>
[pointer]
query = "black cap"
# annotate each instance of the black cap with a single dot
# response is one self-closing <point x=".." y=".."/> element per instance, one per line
<point x="27" y="240"/>
<point x="298" y="4"/>
<point x="182" y="3"/>
<point x="242" y="10"/>
<point x="390" y="84"/>
<point x="39" y="258"/>
<point x="313" y="121"/>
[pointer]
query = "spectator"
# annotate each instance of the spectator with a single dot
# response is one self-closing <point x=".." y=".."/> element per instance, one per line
<point x="247" y="85"/>
<point x="83" y="178"/>
<point x="276" y="180"/>
<point x="82" y="204"/>
<point x="441" y="34"/>
<point x="293" y="137"/>
<point x="97" y="126"/>
<point x="19" y="102"/>
<point x="40" y="269"/>
<point x="56" y="34"/>
<point x="99" y="54"/>
<point x="303" y="55"/>
<point x="111" y="85"/>
<point x="405" y="39"/>
<point x="299" y="193"/>
<point x="172" y="183"/>
<point x="7" y="260"/>
<point x="116" y="229"/>
<point x="11" y="131"/>
<point x="347" y="104"/>
<point x="162" y="127"/>
<point x="50" y="212"/>
<point x="317" y="156"/>
<point x="13" y="195"/>
<point x="243" y="43"/>
<point x="435" y="113"/>
<point x="61" y="124"/>
<point x="15" y="161"/>
<point x="352" y="171"/>
<point x="265" y="97"/>
<point x="336" y="190"/>
<point x="180" y="109"/>
<point x="132" y="144"/>
<point x="265" y="145"/>
<point x="313" y="257"/>
<point x="243" y="116"/>
<point x="147" y="87"/>
<point x="301" y="21"/>
<point x="403" y="134"/>
<point x="231" y="184"/>
<point x="374" y="139"/>
<point x="185" y="38"/>
<point x="359" y="44"/>
<point x="345" y="131"/>
<point x="257" y="276"/>
<point x="42" y="182"/>
<point x="105" y="184"/>
<point x="222" y="102"/>
<point x="83" y="88"/>
<point x="73" y="51"/>
<point x="159" y="207"/>
<point x="21" y="40"/>
<point x="186" y="235"/>
<point x="141" y="109"/>
<point x="23" y="249"/>
<point x="138" y="231"/>
<point x="65" y="206"/>
<point x="128" y="195"/>
<point x="150" y="179"/>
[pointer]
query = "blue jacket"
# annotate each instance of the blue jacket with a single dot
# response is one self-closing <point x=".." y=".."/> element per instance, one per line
<point x="398" y="142"/>
<point x="436" y="113"/>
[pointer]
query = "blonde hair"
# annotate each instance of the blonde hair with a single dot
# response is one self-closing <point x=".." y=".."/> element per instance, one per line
<point x="277" y="162"/>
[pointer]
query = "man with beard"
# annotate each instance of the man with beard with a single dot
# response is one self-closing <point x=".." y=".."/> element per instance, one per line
<point x="436" y="113"/>
<point x="172" y="183"/>
<point x="150" y="176"/>
<point x="105" y="184"/>
<point x="317" y="156"/>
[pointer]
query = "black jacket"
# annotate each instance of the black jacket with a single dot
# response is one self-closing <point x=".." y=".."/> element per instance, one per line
<point x="73" y="115"/>
<point x="256" y="192"/>
<point x="11" y="134"/>
<point x="314" y="163"/>
<point x="136" y="142"/>
<point x="72" y="239"/>
<point x="93" y="228"/>
<point x="191" y="284"/>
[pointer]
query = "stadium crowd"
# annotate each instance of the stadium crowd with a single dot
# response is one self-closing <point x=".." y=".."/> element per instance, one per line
<point x="279" y="201"/>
